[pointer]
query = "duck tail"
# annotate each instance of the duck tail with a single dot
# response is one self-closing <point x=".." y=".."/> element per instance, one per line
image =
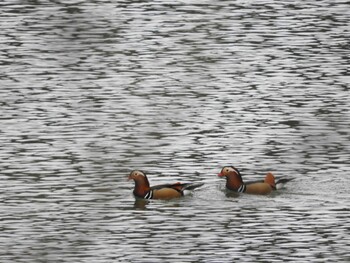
<point x="191" y="186"/>
<point x="282" y="181"/>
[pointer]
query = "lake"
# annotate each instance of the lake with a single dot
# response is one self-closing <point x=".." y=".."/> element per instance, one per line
<point x="94" y="89"/>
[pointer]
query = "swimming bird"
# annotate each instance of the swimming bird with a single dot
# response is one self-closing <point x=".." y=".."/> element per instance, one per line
<point x="235" y="182"/>
<point x="165" y="191"/>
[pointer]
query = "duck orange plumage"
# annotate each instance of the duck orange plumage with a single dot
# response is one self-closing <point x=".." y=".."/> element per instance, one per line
<point x="235" y="182"/>
<point x="165" y="191"/>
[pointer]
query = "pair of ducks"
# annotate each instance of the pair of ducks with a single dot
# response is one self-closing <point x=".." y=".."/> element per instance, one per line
<point x="233" y="177"/>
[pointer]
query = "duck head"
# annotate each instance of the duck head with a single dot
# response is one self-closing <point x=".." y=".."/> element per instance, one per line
<point x="141" y="182"/>
<point x="139" y="177"/>
<point x="229" y="171"/>
<point x="233" y="177"/>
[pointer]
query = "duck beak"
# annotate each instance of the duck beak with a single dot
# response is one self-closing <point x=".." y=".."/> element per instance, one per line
<point x="220" y="175"/>
<point x="130" y="177"/>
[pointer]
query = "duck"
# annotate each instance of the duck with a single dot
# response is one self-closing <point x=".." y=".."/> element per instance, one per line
<point x="235" y="182"/>
<point x="143" y="189"/>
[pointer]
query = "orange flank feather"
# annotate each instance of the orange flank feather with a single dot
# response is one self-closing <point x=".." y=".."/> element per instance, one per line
<point x="270" y="179"/>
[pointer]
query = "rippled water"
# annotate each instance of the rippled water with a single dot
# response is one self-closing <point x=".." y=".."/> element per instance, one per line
<point x="91" y="90"/>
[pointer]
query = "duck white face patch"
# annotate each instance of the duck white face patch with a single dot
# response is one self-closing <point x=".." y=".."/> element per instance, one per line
<point x="228" y="169"/>
<point x="138" y="173"/>
<point x="236" y="170"/>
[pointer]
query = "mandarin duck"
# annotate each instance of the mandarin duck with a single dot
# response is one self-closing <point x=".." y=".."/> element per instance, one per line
<point x="235" y="182"/>
<point x="165" y="191"/>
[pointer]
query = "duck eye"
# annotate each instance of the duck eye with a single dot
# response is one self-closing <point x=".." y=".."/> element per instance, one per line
<point x="227" y="170"/>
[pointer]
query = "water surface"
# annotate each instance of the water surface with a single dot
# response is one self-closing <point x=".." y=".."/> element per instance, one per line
<point x="92" y="90"/>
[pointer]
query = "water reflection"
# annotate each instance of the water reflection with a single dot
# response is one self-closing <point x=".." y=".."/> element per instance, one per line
<point x="140" y="204"/>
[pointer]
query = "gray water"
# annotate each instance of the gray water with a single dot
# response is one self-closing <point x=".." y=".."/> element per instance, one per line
<point x="93" y="89"/>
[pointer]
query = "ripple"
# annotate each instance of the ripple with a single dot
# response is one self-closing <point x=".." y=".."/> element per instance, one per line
<point x="93" y="90"/>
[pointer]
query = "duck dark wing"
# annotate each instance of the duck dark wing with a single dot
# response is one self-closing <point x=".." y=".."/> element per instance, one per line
<point x="160" y="186"/>
<point x="178" y="186"/>
<point x="191" y="186"/>
<point x="284" y="180"/>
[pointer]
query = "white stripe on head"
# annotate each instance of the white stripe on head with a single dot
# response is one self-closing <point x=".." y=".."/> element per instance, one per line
<point x="236" y="170"/>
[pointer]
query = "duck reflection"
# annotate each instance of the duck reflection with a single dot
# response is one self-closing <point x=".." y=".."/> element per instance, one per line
<point x="140" y="203"/>
<point x="231" y="194"/>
